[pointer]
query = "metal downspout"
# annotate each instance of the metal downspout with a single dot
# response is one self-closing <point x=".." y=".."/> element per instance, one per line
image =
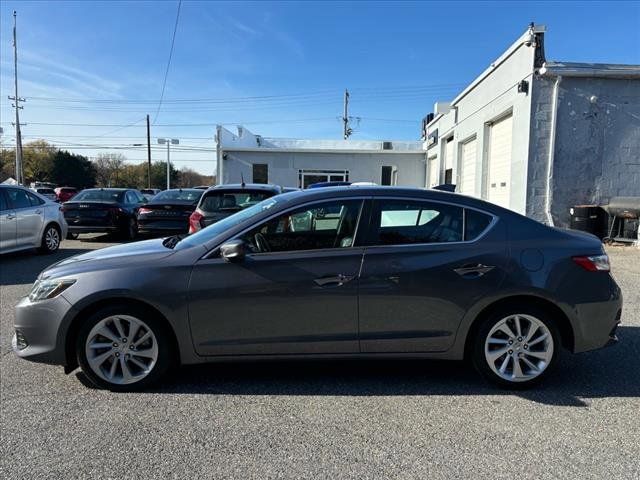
<point x="552" y="150"/>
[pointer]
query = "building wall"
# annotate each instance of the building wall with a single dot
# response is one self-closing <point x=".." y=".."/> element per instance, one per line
<point x="492" y="98"/>
<point x="597" y="146"/>
<point x="363" y="167"/>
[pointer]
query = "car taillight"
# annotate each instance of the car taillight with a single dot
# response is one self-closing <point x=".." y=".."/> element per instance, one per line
<point x="194" y="221"/>
<point x="142" y="211"/>
<point x="595" y="263"/>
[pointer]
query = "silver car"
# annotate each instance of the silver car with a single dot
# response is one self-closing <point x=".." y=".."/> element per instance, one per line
<point x="29" y="220"/>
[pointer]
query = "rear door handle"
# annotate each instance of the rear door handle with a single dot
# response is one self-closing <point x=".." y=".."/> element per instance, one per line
<point x="473" y="270"/>
<point x="334" y="280"/>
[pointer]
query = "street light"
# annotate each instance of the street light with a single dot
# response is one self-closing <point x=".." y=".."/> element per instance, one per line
<point x="169" y="142"/>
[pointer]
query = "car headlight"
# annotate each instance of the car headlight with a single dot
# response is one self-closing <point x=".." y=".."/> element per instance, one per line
<point x="45" y="289"/>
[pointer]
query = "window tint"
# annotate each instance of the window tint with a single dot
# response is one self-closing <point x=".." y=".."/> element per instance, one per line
<point x="232" y="201"/>
<point x="324" y="225"/>
<point x="100" y="196"/>
<point x="35" y="201"/>
<point x="402" y="222"/>
<point x="3" y="202"/>
<point x="475" y="223"/>
<point x="18" y="198"/>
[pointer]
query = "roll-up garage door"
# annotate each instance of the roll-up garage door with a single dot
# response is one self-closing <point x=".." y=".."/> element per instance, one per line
<point x="499" y="181"/>
<point x="468" y="167"/>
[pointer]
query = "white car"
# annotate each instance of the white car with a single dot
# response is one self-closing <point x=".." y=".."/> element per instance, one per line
<point x="149" y="193"/>
<point x="48" y="193"/>
<point x="29" y="220"/>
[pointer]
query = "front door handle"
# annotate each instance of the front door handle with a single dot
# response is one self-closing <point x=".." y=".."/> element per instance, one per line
<point x="10" y="216"/>
<point x="334" y="280"/>
<point x="473" y="270"/>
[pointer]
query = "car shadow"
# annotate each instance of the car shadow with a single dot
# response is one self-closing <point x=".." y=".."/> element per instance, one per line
<point x="24" y="267"/>
<point x="610" y="372"/>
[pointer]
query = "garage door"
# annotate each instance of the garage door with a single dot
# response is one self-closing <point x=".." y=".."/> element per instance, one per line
<point x="500" y="161"/>
<point x="468" y="167"/>
<point x="433" y="173"/>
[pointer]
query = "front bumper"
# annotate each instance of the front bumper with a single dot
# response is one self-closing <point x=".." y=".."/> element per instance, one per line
<point x="39" y="324"/>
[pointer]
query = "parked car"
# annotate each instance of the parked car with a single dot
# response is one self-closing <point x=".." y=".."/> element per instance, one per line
<point x="353" y="272"/>
<point x="111" y="210"/>
<point x="29" y="220"/>
<point x="47" y="193"/>
<point x="222" y="201"/>
<point x="149" y="193"/>
<point x="65" y="194"/>
<point x="169" y="211"/>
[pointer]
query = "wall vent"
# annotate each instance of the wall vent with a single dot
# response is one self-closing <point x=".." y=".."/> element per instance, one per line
<point x="387" y="145"/>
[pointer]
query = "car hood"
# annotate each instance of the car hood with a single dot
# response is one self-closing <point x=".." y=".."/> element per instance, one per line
<point x="129" y="254"/>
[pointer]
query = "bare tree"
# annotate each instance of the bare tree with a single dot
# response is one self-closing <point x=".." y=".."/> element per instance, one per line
<point x="109" y="167"/>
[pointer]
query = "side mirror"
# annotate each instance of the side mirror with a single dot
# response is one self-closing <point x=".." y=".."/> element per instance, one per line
<point x="233" y="251"/>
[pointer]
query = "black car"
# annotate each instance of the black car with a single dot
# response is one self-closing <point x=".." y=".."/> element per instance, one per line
<point x="169" y="211"/>
<point x="222" y="201"/>
<point x="104" y="210"/>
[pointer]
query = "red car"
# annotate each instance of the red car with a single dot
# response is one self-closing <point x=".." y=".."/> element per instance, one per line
<point x="65" y="193"/>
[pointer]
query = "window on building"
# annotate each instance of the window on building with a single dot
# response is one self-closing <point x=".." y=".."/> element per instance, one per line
<point x="309" y="177"/>
<point x="402" y="222"/>
<point x="260" y="173"/>
<point x="389" y="175"/>
<point x="448" y="175"/>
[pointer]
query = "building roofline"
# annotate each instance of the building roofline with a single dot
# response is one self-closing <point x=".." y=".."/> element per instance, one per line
<point x="318" y="150"/>
<point x="599" y="70"/>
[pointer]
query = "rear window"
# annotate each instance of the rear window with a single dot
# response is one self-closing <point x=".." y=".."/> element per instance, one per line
<point x="225" y="201"/>
<point x="68" y="190"/>
<point x="45" y="191"/>
<point x="182" y="195"/>
<point x="99" y="196"/>
<point x="475" y="223"/>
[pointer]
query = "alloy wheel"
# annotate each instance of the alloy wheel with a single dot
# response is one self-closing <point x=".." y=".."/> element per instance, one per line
<point x="121" y="349"/>
<point x="52" y="239"/>
<point x="519" y="348"/>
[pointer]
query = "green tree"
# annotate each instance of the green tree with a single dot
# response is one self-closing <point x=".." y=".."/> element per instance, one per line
<point x="7" y="164"/>
<point x="37" y="158"/>
<point x="159" y="175"/>
<point x="73" y="170"/>
<point x="109" y="167"/>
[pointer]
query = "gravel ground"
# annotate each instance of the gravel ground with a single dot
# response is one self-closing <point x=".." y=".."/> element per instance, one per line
<point x="400" y="419"/>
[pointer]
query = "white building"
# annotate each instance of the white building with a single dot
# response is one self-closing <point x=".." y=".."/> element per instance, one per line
<point x="539" y="137"/>
<point x="299" y="163"/>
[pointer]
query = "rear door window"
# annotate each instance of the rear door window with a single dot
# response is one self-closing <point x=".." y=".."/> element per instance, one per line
<point x="405" y="222"/>
<point x="3" y="202"/>
<point x="18" y="198"/>
<point x="35" y="200"/>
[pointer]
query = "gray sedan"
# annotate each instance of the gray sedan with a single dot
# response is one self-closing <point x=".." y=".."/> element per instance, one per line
<point x="329" y="272"/>
<point x="29" y="220"/>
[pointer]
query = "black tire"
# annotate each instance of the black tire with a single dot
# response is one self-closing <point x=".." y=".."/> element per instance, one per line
<point x="163" y="363"/>
<point x="72" y="235"/>
<point x="130" y="231"/>
<point x="481" y="362"/>
<point x="51" y="239"/>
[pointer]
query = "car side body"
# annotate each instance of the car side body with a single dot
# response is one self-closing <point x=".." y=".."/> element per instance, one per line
<point x="26" y="220"/>
<point x="362" y="296"/>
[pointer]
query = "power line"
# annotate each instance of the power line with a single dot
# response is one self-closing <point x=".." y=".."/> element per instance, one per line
<point x="166" y="73"/>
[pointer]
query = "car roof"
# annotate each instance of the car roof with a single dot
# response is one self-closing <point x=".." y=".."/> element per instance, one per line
<point x="247" y="186"/>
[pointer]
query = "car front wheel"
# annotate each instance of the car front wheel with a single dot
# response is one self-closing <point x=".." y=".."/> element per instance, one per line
<point x="515" y="348"/>
<point x="123" y="349"/>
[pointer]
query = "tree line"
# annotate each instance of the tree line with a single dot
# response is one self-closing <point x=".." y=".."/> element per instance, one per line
<point x="44" y="162"/>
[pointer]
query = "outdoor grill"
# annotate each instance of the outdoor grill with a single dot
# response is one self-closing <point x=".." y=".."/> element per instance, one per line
<point x="624" y="213"/>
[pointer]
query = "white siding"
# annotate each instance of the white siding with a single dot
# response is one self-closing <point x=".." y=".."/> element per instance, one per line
<point x="468" y="155"/>
<point x="499" y="161"/>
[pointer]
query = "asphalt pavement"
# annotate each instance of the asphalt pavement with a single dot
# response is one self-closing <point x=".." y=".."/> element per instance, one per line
<point x="356" y="419"/>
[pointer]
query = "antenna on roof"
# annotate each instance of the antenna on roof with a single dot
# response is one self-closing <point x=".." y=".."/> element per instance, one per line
<point x="242" y="180"/>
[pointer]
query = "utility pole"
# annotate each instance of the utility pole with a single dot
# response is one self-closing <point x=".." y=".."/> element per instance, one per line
<point x="169" y="142"/>
<point x="345" y="116"/>
<point x="148" y="154"/>
<point x="16" y="104"/>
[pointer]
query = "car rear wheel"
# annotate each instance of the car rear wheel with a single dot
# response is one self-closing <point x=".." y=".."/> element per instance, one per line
<point x="123" y="349"/>
<point x="72" y="235"/>
<point x="50" y="239"/>
<point x="516" y="348"/>
<point x="131" y="230"/>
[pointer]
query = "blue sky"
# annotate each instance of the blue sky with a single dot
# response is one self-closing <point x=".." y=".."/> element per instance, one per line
<point x="396" y="58"/>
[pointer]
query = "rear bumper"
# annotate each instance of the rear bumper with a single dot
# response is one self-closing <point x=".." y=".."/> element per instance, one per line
<point x="596" y="323"/>
<point x="92" y="229"/>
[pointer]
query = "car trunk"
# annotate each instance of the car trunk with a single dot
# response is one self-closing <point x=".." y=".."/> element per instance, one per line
<point x="170" y="215"/>
<point x="90" y="213"/>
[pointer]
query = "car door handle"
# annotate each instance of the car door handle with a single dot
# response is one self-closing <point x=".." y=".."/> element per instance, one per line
<point x="10" y="216"/>
<point x="473" y="270"/>
<point x="334" y="280"/>
<point x="38" y="211"/>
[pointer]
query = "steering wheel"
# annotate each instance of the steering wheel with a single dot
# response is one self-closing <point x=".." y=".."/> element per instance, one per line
<point x="261" y="243"/>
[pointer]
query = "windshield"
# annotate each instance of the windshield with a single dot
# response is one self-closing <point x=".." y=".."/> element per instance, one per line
<point x="99" y="195"/>
<point x="182" y="195"/>
<point x="228" y="200"/>
<point x="212" y="231"/>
